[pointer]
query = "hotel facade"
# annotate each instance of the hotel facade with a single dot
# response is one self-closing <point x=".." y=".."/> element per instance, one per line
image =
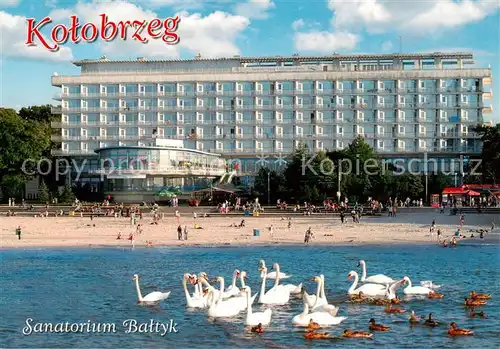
<point x="259" y="109"/>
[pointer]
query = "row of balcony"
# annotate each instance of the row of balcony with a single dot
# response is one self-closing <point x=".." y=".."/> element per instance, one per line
<point x="318" y="92"/>
<point x="413" y="135"/>
<point x="359" y="106"/>
<point x="315" y="121"/>
<point x="170" y="170"/>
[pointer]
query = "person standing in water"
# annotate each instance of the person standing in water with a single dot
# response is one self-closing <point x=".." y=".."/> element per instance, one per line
<point x="18" y="232"/>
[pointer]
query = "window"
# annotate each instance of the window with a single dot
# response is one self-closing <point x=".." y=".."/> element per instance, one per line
<point x="259" y="102"/>
<point x="402" y="100"/>
<point x="340" y="130"/>
<point x="422" y="144"/>
<point x="319" y="130"/>
<point x="199" y="87"/>
<point x="85" y="147"/>
<point x="258" y="116"/>
<point x="422" y="129"/>
<point x="161" y="117"/>
<point x="298" y="86"/>
<point x="380" y="115"/>
<point x="401" y="145"/>
<point x="239" y="87"/>
<point x="161" y="103"/>
<point x="142" y="103"/>
<point x="279" y="116"/>
<point x="258" y="131"/>
<point x="199" y="146"/>
<point x="299" y="116"/>
<point x="299" y="131"/>
<point x="340" y="101"/>
<point x="299" y="101"/>
<point x="83" y="133"/>
<point x="319" y="116"/>
<point x="444" y="99"/>
<point x="142" y="117"/>
<point x="380" y="130"/>
<point x="380" y="144"/>
<point x="421" y="84"/>
<point x="401" y="129"/>
<point x="465" y="115"/>
<point x="360" y="116"/>
<point x="380" y="85"/>
<point x="161" y="132"/>
<point x="103" y="132"/>
<point x="180" y="103"/>
<point x="84" y="119"/>
<point x="258" y="87"/>
<point x="219" y="102"/>
<point x="422" y="115"/>
<point x="401" y="84"/>
<point x="465" y="99"/>
<point x="279" y="146"/>
<point x="340" y="116"/>
<point x="199" y="102"/>
<point x="142" y="89"/>
<point x="339" y="86"/>
<point x="319" y="101"/>
<point x="401" y="115"/>
<point x="180" y="88"/>
<point x="84" y="104"/>
<point x="219" y="87"/>
<point x="103" y="90"/>
<point x="219" y="131"/>
<point x="220" y="117"/>
<point x="279" y="102"/>
<point x="239" y="145"/>
<point x="103" y="104"/>
<point x="180" y="132"/>
<point x="340" y="145"/>
<point x="219" y="145"/>
<point x="360" y="130"/>
<point x="258" y="145"/>
<point x="360" y="100"/>
<point x="380" y="100"/>
<point x="319" y="86"/>
<point x="239" y="102"/>
<point x="442" y="84"/>
<point x="161" y="89"/>
<point x="422" y="99"/>
<point x="180" y="118"/>
<point x="319" y="145"/>
<point x="122" y="89"/>
<point x="239" y="131"/>
<point x="359" y="85"/>
<point x="199" y="117"/>
<point x="238" y="116"/>
<point x="279" y="87"/>
<point x="279" y="131"/>
<point x="443" y="114"/>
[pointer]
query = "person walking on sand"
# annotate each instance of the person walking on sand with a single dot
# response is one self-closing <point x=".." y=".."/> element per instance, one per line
<point x="185" y="232"/>
<point x="433" y="226"/>
<point x="462" y="220"/>
<point x="178" y="217"/>
<point x="179" y="232"/>
<point x="271" y="231"/>
<point x="18" y="232"/>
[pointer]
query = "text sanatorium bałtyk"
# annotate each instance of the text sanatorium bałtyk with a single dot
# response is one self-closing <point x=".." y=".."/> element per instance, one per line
<point x="105" y="29"/>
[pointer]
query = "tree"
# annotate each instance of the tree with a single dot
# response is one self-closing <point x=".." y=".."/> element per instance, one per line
<point x="22" y="143"/>
<point x="67" y="196"/>
<point x="43" y="195"/>
<point x="408" y="185"/>
<point x="490" y="155"/>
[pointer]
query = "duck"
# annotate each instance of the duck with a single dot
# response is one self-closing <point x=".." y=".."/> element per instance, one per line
<point x="430" y="321"/>
<point x="454" y="331"/>
<point x="257" y="329"/>
<point x="390" y="309"/>
<point x="435" y="295"/>
<point x="414" y="319"/>
<point x="483" y="296"/>
<point x="378" y="327"/>
<point x="314" y="335"/>
<point x="480" y="314"/>
<point x="357" y="298"/>
<point x="313" y="326"/>
<point x="356" y="334"/>
<point x="474" y="302"/>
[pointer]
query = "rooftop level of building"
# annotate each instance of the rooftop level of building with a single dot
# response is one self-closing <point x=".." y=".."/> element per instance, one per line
<point x="335" y="62"/>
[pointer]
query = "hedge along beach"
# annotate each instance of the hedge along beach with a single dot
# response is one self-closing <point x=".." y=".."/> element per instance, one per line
<point x="411" y="225"/>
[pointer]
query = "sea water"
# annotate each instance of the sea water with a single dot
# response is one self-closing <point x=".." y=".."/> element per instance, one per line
<point x="95" y="286"/>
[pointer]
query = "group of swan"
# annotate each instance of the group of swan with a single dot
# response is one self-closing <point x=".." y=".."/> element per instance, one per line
<point x="379" y="285"/>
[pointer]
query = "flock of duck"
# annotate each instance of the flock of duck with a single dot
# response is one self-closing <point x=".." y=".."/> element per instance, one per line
<point x="317" y="312"/>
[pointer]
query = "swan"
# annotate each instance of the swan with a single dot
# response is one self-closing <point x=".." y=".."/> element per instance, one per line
<point x="367" y="289"/>
<point x="278" y="287"/>
<point x="312" y="298"/>
<point x="254" y="319"/>
<point x="192" y="302"/>
<point x="321" y="318"/>
<point x="279" y="296"/>
<point x="375" y="279"/>
<point x="415" y="289"/>
<point x="238" y="302"/>
<point x="322" y="303"/>
<point x="232" y="290"/>
<point x="198" y="292"/>
<point x="272" y="275"/>
<point x="429" y="284"/>
<point x="243" y="277"/>
<point x="217" y="306"/>
<point x="390" y="292"/>
<point x="151" y="298"/>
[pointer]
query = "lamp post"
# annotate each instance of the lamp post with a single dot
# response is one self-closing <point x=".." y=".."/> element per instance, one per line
<point x="269" y="187"/>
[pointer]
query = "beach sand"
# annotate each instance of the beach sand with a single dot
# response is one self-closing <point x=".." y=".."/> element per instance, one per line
<point x="411" y="225"/>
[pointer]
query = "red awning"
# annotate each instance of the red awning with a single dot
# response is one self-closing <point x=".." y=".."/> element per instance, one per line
<point x="473" y="193"/>
<point x="454" y="191"/>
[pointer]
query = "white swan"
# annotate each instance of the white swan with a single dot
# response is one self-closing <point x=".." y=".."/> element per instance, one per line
<point x="322" y="303"/>
<point x="271" y="275"/>
<point x="294" y="289"/>
<point x="239" y="302"/>
<point x="390" y="292"/>
<point x="322" y="318"/>
<point x="253" y="319"/>
<point x="198" y="291"/>
<point x="367" y="289"/>
<point x="218" y="307"/>
<point x="374" y="279"/>
<point x="312" y="298"/>
<point x="279" y="296"/>
<point x="193" y="302"/>
<point x="415" y="289"/>
<point x="151" y="298"/>
<point x="277" y="286"/>
<point x="429" y="284"/>
<point x="232" y="290"/>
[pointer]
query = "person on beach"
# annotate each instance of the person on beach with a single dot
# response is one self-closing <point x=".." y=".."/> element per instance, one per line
<point x="271" y="231"/>
<point x="342" y="217"/>
<point x="18" y="232"/>
<point x="453" y="242"/>
<point x="433" y="225"/>
<point x="195" y="215"/>
<point x="177" y="217"/>
<point x="179" y="232"/>
<point x="439" y="235"/>
<point x="119" y="237"/>
<point x="138" y="231"/>
<point x="185" y="232"/>
<point x="462" y="220"/>
<point x="131" y="237"/>
<point x="444" y="243"/>
<point x="289" y="225"/>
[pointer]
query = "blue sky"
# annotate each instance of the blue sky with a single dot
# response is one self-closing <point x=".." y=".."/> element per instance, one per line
<point x="248" y="27"/>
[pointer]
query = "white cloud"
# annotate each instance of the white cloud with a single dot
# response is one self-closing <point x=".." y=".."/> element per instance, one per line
<point x="60" y="15"/>
<point x="386" y="46"/>
<point x="212" y="35"/>
<point x="51" y="3"/>
<point x="417" y="17"/>
<point x="257" y="9"/>
<point x="175" y="4"/>
<point x="9" y="3"/>
<point x="325" y="42"/>
<point x="13" y="37"/>
<point x="299" y="23"/>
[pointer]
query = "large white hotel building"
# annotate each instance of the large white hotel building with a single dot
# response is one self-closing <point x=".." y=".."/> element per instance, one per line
<point x="404" y="105"/>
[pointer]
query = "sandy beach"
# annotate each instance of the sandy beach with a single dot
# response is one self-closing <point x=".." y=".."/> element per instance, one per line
<point x="408" y="226"/>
